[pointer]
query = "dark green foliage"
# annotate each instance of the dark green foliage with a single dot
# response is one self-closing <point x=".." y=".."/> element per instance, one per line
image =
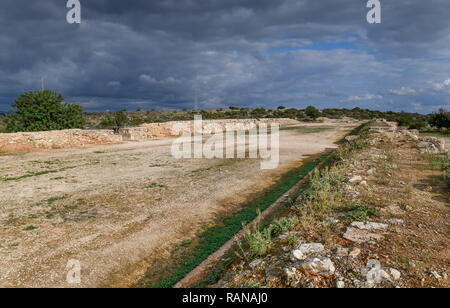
<point x="362" y="212"/>
<point x="440" y="119"/>
<point x="312" y="112"/>
<point x="118" y="120"/>
<point x="42" y="111"/>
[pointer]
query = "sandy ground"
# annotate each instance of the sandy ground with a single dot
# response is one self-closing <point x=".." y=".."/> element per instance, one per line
<point x="111" y="207"/>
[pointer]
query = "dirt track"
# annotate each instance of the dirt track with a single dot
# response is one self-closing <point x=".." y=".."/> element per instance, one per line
<point x="111" y="207"/>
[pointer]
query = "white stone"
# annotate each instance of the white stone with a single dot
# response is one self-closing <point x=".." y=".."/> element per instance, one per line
<point x="341" y="252"/>
<point x="355" y="252"/>
<point x="256" y="263"/>
<point x="361" y="236"/>
<point x="355" y="179"/>
<point x="396" y="222"/>
<point x="319" y="266"/>
<point x="369" y="225"/>
<point x="303" y="251"/>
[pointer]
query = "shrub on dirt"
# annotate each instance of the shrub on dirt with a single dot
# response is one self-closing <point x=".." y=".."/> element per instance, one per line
<point x="43" y="111"/>
<point x="283" y="224"/>
<point x="312" y="112"/>
<point x="361" y="212"/>
<point x="440" y="119"/>
<point x="118" y="120"/>
<point x="259" y="241"/>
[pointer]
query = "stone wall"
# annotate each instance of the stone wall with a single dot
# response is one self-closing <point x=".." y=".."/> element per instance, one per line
<point x="18" y="142"/>
<point x="161" y="130"/>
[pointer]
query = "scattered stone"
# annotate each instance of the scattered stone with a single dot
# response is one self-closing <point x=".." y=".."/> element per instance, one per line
<point x="340" y="284"/>
<point x="371" y="171"/>
<point x="256" y="263"/>
<point x="341" y="252"/>
<point x="290" y="272"/>
<point x="390" y="274"/>
<point x="361" y="236"/>
<point x="395" y="210"/>
<point x="431" y="145"/>
<point x="355" y="179"/>
<point x="303" y="251"/>
<point x="286" y="235"/>
<point x="395" y="222"/>
<point x="369" y="225"/>
<point x="436" y="275"/>
<point x="355" y="252"/>
<point x="322" y="266"/>
<point x="351" y="138"/>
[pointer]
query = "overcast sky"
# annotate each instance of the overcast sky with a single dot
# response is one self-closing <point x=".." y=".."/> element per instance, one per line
<point x="247" y="53"/>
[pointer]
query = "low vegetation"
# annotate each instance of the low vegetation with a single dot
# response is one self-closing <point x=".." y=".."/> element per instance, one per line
<point x="45" y="110"/>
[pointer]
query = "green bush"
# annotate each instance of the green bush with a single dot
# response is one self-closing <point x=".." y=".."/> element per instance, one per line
<point x="312" y="112"/>
<point x="362" y="212"/>
<point x="42" y="111"/>
<point x="120" y="119"/>
<point x="441" y="119"/>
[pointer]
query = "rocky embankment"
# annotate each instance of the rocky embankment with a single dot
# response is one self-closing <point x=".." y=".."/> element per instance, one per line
<point x="377" y="218"/>
<point x="58" y="139"/>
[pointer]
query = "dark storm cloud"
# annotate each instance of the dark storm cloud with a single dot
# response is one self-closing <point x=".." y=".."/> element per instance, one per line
<point x="249" y="53"/>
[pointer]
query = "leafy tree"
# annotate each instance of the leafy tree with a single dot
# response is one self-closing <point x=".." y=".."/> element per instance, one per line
<point x="441" y="119"/>
<point x="281" y="108"/>
<point x="42" y="111"/>
<point x="120" y="118"/>
<point x="312" y="112"/>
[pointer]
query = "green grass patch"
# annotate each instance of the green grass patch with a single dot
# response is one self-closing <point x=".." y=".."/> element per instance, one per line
<point x="361" y="212"/>
<point x="435" y="133"/>
<point x="30" y="228"/>
<point x="306" y="129"/>
<point x="155" y="185"/>
<point x="33" y="174"/>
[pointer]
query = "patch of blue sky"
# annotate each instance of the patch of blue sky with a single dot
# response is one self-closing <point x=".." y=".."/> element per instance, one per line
<point x="322" y="46"/>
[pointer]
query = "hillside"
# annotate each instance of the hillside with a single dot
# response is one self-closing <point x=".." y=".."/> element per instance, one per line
<point x="378" y="217"/>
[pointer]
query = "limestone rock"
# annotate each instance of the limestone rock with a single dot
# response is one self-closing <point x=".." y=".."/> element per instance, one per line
<point x="361" y="236"/>
<point x="318" y="266"/>
<point x="355" y="252"/>
<point x="369" y="225"/>
<point x="355" y="179"/>
<point x="303" y="251"/>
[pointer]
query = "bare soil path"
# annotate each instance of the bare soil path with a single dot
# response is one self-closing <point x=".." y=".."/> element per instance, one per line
<point x="111" y="207"/>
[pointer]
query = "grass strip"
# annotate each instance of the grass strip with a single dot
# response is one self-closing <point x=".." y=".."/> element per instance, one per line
<point x="32" y="174"/>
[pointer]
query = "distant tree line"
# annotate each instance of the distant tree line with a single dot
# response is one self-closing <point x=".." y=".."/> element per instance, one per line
<point x="46" y="110"/>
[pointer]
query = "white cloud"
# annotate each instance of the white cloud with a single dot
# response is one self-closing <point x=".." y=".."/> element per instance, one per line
<point x="366" y="97"/>
<point x="442" y="87"/>
<point x="403" y="91"/>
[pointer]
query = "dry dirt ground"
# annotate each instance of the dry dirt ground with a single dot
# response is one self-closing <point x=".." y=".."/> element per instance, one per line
<point x="111" y="207"/>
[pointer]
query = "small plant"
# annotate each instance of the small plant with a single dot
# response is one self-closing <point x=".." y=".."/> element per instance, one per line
<point x="259" y="241"/>
<point x="283" y="224"/>
<point x="155" y="185"/>
<point x="362" y="212"/>
<point x="30" y="228"/>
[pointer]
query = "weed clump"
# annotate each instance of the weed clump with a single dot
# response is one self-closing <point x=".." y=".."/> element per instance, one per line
<point x="362" y="212"/>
